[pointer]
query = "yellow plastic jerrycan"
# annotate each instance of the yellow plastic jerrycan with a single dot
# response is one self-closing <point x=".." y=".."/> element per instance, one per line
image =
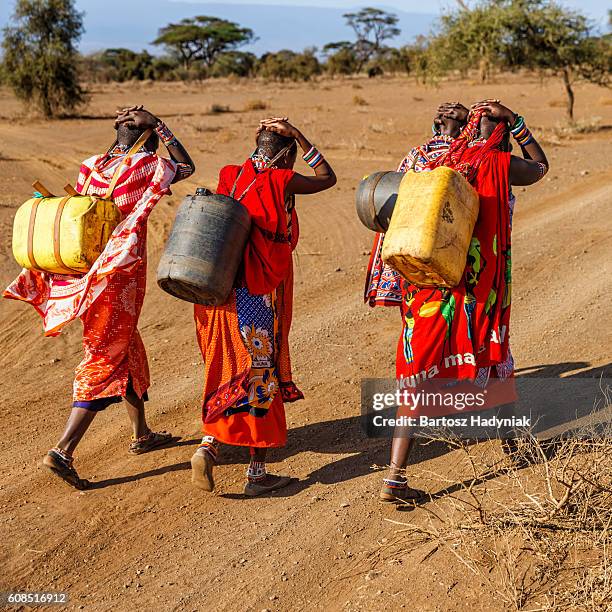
<point x="63" y="235"/>
<point x="431" y="227"/>
<point x="66" y="235"/>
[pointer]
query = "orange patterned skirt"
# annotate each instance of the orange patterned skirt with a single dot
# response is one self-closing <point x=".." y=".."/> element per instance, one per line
<point x="115" y="356"/>
<point x="247" y="367"/>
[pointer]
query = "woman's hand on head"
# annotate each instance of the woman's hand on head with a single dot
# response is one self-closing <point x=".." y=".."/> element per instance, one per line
<point x="453" y="110"/>
<point x="137" y="115"/>
<point x="494" y="110"/>
<point x="279" y="126"/>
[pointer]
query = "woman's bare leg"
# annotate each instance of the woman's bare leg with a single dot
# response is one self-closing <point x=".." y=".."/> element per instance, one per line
<point x="395" y="484"/>
<point x="78" y="423"/>
<point x="136" y="411"/>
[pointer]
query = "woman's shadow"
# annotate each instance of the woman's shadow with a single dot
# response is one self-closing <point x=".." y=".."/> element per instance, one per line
<point x="346" y="436"/>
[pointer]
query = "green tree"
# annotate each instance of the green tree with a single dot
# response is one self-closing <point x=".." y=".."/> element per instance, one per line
<point x="127" y="65"/>
<point x="340" y="58"/>
<point x="543" y="35"/>
<point x="236" y="63"/>
<point x="539" y="35"/>
<point x="202" y="39"/>
<point x="40" y="58"/>
<point x="372" y="28"/>
<point x="471" y="38"/>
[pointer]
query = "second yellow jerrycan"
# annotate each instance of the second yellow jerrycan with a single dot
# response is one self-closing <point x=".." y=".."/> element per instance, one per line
<point x="431" y="227"/>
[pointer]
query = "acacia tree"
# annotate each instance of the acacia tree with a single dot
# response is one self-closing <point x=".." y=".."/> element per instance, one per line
<point x="203" y="39"/>
<point x="471" y="38"/>
<point x="538" y="35"/>
<point x="549" y="38"/>
<point x="372" y="28"/>
<point x="40" y="59"/>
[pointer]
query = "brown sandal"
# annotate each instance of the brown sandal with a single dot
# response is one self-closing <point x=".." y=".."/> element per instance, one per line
<point x="62" y="467"/>
<point x="253" y="489"/>
<point x="390" y="494"/>
<point x="148" y="442"/>
<point x="202" y="465"/>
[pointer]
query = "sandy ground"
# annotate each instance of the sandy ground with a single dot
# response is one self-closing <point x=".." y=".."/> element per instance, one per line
<point x="143" y="538"/>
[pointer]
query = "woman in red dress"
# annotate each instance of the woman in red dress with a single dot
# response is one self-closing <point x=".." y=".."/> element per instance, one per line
<point x="245" y="342"/>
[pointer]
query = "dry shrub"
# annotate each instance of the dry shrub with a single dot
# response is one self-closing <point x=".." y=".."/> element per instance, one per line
<point x="359" y="101"/>
<point x="217" y="109"/>
<point x="256" y="105"/>
<point x="566" y="131"/>
<point x="203" y="129"/>
<point x="539" y="538"/>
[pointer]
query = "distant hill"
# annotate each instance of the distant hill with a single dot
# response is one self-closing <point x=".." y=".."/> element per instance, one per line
<point x="134" y="23"/>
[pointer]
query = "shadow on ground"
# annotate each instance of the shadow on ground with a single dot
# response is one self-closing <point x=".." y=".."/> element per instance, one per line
<point x="346" y="437"/>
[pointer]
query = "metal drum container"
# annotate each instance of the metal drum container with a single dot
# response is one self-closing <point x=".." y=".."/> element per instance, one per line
<point x="376" y="197"/>
<point x="204" y="249"/>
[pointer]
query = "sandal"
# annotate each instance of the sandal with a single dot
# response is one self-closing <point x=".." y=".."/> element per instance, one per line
<point x="148" y="442"/>
<point x="253" y="489"/>
<point x="202" y="464"/>
<point x="62" y="467"/>
<point x="398" y="492"/>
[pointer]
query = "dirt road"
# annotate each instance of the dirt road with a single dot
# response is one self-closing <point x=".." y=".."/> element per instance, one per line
<point x="143" y="538"/>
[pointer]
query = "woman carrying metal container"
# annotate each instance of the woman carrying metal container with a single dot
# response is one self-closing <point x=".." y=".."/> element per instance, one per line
<point x="244" y="342"/>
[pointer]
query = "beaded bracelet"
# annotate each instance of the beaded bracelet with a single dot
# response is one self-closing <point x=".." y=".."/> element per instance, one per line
<point x="521" y="132"/>
<point x="313" y="158"/>
<point x="543" y="168"/>
<point x="163" y="131"/>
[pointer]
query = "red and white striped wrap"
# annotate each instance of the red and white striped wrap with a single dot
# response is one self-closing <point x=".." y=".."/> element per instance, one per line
<point x="143" y="181"/>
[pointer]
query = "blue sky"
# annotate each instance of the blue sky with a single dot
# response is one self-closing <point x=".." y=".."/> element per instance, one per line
<point x="416" y="6"/>
<point x="302" y="23"/>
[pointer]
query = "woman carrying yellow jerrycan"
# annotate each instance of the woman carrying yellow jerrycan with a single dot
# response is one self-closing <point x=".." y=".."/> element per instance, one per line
<point x="108" y="298"/>
<point x="470" y="320"/>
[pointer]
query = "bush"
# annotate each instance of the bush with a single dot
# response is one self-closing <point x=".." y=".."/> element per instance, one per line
<point x="256" y="105"/>
<point x="341" y="59"/>
<point x="40" y="56"/>
<point x="234" y="63"/>
<point x="217" y="109"/>
<point x="288" y="65"/>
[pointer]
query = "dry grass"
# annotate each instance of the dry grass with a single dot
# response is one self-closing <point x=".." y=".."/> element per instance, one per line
<point x="256" y="105"/>
<point x="564" y="132"/>
<point x="359" y="101"/>
<point x="540" y="537"/>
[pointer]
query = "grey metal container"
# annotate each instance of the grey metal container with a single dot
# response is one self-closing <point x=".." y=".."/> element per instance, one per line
<point x="204" y="249"/>
<point x="375" y="199"/>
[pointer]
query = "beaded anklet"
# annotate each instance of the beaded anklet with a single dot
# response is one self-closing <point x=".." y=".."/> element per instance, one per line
<point x="256" y="471"/>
